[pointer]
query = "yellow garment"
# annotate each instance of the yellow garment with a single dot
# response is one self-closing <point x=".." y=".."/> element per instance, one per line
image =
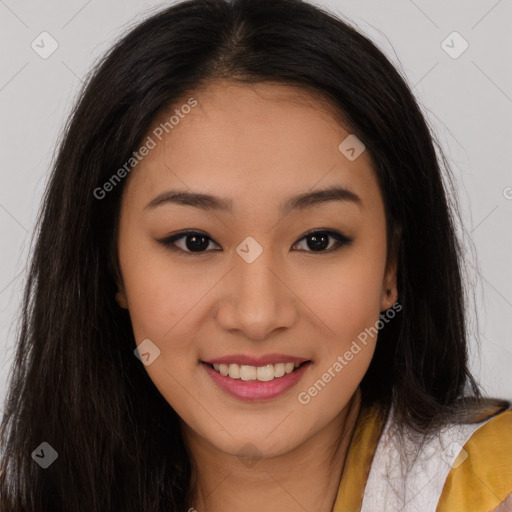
<point x="479" y="484"/>
<point x="484" y="479"/>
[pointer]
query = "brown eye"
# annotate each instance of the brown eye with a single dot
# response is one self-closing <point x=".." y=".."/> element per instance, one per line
<point x="318" y="241"/>
<point x="194" y="242"/>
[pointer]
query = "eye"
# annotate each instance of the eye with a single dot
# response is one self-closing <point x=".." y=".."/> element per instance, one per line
<point x="197" y="242"/>
<point x="319" y="240"/>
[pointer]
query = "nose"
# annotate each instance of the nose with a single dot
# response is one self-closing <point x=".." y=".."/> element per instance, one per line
<point x="257" y="299"/>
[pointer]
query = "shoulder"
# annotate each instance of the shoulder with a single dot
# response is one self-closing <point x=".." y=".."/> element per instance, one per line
<point x="481" y="476"/>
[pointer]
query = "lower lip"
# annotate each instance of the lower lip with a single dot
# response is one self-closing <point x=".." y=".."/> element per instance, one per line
<point x="253" y="390"/>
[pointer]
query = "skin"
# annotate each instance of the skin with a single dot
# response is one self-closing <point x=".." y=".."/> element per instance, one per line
<point x="256" y="145"/>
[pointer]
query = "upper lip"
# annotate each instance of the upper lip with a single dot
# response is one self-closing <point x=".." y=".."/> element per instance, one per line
<point x="263" y="360"/>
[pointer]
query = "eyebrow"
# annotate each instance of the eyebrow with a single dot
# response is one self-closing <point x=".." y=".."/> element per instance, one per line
<point x="209" y="202"/>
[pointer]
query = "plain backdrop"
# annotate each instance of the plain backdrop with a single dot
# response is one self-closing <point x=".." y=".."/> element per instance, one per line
<point x="466" y="94"/>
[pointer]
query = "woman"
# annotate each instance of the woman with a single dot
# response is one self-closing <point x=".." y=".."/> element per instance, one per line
<point x="246" y="291"/>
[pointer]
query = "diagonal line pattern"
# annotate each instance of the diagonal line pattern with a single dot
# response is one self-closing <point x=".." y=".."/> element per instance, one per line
<point x="428" y="72"/>
<point x="310" y="188"/>
<point x="500" y="294"/>
<point x="484" y="484"/>
<point x="14" y="76"/>
<point x="219" y="218"/>
<point x="488" y="215"/>
<point x="491" y="9"/>
<point x="424" y="13"/>
<point x="301" y="300"/>
<point x="79" y="78"/>
<point x="496" y="344"/>
<point x="209" y="290"/>
<point x="2" y="1"/>
<point x="219" y="484"/>
<point x="199" y="403"/>
<point x="286" y="491"/>
<point x="13" y="218"/>
<point x="280" y="423"/>
<point x="76" y="14"/>
<point x="10" y="282"/>
<point x="492" y="81"/>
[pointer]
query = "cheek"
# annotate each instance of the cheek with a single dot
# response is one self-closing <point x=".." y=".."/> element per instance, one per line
<point x="160" y="292"/>
<point x="161" y="298"/>
<point x="347" y="296"/>
<point x="348" y="307"/>
<point x="346" y="299"/>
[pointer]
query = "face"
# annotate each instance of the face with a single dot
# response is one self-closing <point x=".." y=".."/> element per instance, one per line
<point x="260" y="277"/>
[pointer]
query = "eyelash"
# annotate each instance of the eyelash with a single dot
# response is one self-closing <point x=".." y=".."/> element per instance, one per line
<point x="340" y="241"/>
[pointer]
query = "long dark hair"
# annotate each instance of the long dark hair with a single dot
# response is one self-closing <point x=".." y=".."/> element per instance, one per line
<point x="75" y="382"/>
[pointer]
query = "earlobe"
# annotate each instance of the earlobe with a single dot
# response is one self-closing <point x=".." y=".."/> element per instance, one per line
<point x="389" y="291"/>
<point x="121" y="293"/>
<point x="121" y="299"/>
<point x="390" y="287"/>
<point x="388" y="299"/>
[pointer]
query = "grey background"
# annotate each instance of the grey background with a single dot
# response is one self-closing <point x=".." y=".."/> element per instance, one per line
<point x="467" y="100"/>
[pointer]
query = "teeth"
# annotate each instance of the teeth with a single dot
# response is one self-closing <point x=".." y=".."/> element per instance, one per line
<point x="279" y="370"/>
<point x="234" y="371"/>
<point x="262" y="373"/>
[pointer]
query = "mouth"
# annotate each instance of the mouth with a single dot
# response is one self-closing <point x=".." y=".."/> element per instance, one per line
<point x="256" y="383"/>
<point x="265" y="373"/>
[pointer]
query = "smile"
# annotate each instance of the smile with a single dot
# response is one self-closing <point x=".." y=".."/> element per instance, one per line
<point x="255" y="383"/>
<point x="262" y="373"/>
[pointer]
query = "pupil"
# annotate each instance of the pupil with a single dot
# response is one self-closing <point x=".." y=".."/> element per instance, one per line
<point x="200" y="242"/>
<point x="193" y="245"/>
<point x="319" y="242"/>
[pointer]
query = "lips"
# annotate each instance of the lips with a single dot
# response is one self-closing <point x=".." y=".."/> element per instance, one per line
<point x="256" y="390"/>
<point x="242" y="359"/>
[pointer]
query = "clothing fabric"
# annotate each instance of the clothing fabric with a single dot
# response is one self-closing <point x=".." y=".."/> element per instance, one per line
<point x="464" y="468"/>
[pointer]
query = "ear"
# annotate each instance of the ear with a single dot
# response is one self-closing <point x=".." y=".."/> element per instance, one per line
<point x="121" y="296"/>
<point x="121" y="300"/>
<point x="389" y="294"/>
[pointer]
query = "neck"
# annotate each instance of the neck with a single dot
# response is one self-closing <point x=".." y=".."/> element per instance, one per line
<point x="305" y="478"/>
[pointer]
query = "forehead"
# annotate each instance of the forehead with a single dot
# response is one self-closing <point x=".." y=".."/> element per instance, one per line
<point x="248" y="143"/>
